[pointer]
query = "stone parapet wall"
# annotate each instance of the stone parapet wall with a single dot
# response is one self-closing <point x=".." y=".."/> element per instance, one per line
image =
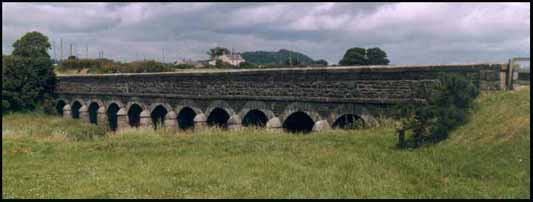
<point x="360" y="84"/>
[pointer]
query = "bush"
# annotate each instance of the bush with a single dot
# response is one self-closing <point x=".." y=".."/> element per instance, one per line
<point x="27" y="83"/>
<point x="446" y="107"/>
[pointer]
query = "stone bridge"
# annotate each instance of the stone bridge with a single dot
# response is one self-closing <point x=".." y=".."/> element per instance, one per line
<point x="294" y="99"/>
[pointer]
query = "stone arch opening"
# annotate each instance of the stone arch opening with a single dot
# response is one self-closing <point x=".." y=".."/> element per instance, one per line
<point x="298" y="122"/>
<point x="158" y="116"/>
<point x="186" y="118"/>
<point x="75" y="109"/>
<point x="218" y="117"/>
<point x="254" y="118"/>
<point x="134" y="115"/>
<point x="93" y="113"/>
<point x="112" y="116"/>
<point x="349" y="121"/>
<point x="59" y="107"/>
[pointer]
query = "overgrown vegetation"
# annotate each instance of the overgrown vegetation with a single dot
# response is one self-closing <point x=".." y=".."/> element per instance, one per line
<point x="28" y="78"/>
<point x="488" y="157"/>
<point x="101" y="66"/>
<point x="447" y="106"/>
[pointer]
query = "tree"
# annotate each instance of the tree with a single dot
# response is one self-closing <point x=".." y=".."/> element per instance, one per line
<point x="321" y="62"/>
<point x="360" y="56"/>
<point x="217" y="51"/>
<point x="354" y="56"/>
<point x="32" y="44"/>
<point x="376" y="56"/>
<point x="28" y="78"/>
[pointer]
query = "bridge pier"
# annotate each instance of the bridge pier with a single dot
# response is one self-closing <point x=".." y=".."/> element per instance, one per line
<point x="66" y="111"/>
<point x="200" y="121"/>
<point x="274" y="125"/>
<point x="321" y="125"/>
<point x="171" y="121"/>
<point x="234" y="122"/>
<point x="101" y="118"/>
<point x="122" y="120"/>
<point x="84" y="113"/>
<point x="145" y="119"/>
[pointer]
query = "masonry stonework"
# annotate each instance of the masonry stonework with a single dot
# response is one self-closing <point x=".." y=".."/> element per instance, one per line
<point x="324" y="94"/>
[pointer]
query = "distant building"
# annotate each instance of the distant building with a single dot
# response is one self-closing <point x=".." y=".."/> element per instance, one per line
<point x="233" y="58"/>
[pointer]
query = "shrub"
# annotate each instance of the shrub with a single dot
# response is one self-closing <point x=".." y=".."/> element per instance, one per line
<point x="446" y="107"/>
<point x="27" y="83"/>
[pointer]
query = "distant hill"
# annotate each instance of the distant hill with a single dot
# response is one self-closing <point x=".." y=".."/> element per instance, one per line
<point x="279" y="57"/>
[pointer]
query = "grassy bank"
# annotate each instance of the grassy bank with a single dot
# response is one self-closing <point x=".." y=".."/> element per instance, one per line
<point x="487" y="158"/>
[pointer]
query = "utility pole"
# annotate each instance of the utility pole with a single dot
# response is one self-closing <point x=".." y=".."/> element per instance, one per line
<point x="163" y="55"/>
<point x="87" y="51"/>
<point x="61" y="39"/>
<point x="70" y="49"/>
<point x="54" y="49"/>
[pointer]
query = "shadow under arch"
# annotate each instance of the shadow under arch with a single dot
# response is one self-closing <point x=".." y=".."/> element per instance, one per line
<point x="298" y="122"/>
<point x="158" y="116"/>
<point x="111" y="112"/>
<point x="255" y="118"/>
<point x="59" y="106"/>
<point x="134" y="115"/>
<point x="186" y="118"/>
<point x="93" y="112"/>
<point x="218" y="117"/>
<point x="75" y="109"/>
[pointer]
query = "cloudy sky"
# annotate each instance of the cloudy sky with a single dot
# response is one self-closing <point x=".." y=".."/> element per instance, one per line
<point x="410" y="33"/>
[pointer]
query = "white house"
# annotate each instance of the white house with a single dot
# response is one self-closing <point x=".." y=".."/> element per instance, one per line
<point x="233" y="58"/>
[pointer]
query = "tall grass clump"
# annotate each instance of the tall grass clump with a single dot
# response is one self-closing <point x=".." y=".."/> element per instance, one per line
<point x="39" y="124"/>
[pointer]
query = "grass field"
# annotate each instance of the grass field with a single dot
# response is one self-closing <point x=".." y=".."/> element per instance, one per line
<point x="47" y="157"/>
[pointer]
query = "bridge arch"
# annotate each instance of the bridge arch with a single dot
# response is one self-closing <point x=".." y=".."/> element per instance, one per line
<point x="219" y="104"/>
<point x="94" y="105"/>
<point x="158" y="111"/>
<point x="308" y="109"/>
<point x="218" y="113"/>
<point x="111" y="111"/>
<point x="93" y="112"/>
<point x="218" y="117"/>
<point x="351" y="116"/>
<point x="299" y="122"/>
<point x="299" y="117"/>
<point x="134" y="109"/>
<point x="75" y="108"/>
<point x="59" y="104"/>
<point x="255" y="113"/>
<point x="185" y="116"/>
<point x="116" y="102"/>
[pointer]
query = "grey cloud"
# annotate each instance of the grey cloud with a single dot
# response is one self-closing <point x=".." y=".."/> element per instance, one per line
<point x="409" y="32"/>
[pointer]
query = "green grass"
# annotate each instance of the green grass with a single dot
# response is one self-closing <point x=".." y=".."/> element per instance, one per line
<point x="487" y="158"/>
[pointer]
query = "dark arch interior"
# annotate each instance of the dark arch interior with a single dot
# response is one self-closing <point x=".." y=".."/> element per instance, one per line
<point x="112" y="116"/>
<point x="298" y="122"/>
<point x="93" y="112"/>
<point x="134" y="115"/>
<point x="349" y="121"/>
<point x="76" y="110"/>
<point x="158" y="116"/>
<point x="186" y="118"/>
<point x="218" y="117"/>
<point x="254" y="118"/>
<point x="59" y="107"/>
